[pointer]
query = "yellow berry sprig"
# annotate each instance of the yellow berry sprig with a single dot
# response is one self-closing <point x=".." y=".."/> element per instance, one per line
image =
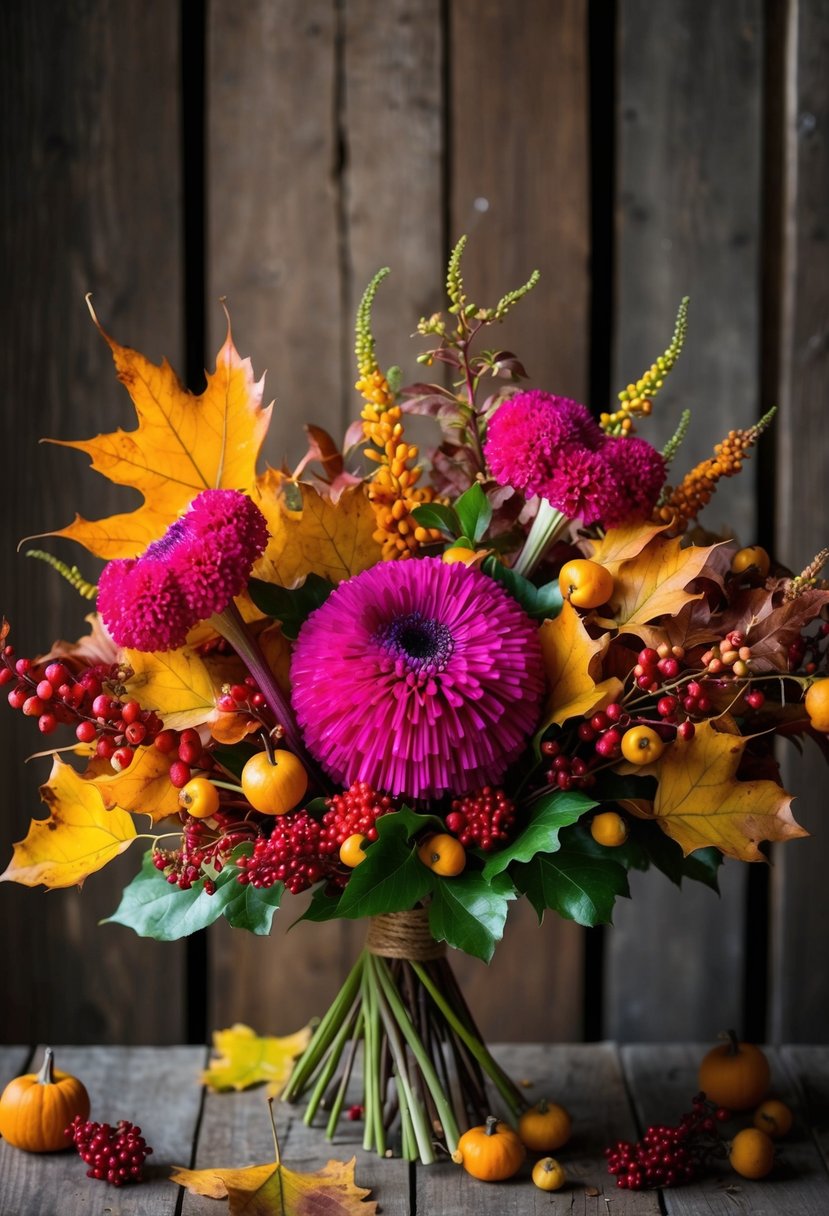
<point x="393" y="490"/>
<point x="683" y="503"/>
<point x="808" y="577"/>
<point x="637" y="399"/>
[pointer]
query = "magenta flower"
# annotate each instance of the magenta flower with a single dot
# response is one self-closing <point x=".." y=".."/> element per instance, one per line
<point x="201" y="562"/>
<point x="419" y="677"/>
<point x="551" y="447"/>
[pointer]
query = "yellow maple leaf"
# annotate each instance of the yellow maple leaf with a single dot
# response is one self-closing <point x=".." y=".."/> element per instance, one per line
<point x="309" y="532"/>
<point x="699" y="801"/>
<point x="246" y="1058"/>
<point x="621" y="544"/>
<point x="183" y="444"/>
<point x="655" y="582"/>
<point x="573" y="661"/>
<point x="79" y="837"/>
<point x="142" y="788"/>
<point x="179" y="685"/>
<point x="274" y="1190"/>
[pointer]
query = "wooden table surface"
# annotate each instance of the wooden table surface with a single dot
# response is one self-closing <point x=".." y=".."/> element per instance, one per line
<point x="612" y="1093"/>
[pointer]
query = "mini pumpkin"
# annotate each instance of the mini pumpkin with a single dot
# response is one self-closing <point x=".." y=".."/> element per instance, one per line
<point x="35" y="1109"/>
<point x="735" y="1075"/>
<point x="491" y="1152"/>
<point x="545" y="1127"/>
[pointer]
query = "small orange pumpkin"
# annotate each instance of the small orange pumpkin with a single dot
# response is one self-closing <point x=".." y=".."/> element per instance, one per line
<point x="36" y="1108"/>
<point x="735" y="1075"/>
<point x="545" y="1126"/>
<point x="490" y="1152"/>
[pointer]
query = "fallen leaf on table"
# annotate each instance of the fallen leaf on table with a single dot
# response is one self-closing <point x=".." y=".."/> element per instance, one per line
<point x="274" y="1190"/>
<point x="246" y="1058"/>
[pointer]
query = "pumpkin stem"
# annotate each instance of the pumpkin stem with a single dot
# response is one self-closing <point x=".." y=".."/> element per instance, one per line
<point x="491" y="1125"/>
<point x="46" y="1076"/>
<point x="542" y="1107"/>
<point x="733" y="1043"/>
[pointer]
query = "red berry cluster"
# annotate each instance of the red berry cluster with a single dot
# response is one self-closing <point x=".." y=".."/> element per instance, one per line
<point x="301" y="851"/>
<point x="189" y="752"/>
<point x="243" y="698"/>
<point x="654" y="667"/>
<point x="484" y="819"/>
<point x="113" y="1154"/>
<point x="357" y="809"/>
<point x="292" y="854"/>
<point x="667" y="1156"/>
<point x="204" y="851"/>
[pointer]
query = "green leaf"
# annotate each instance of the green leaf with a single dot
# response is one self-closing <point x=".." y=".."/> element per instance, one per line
<point x="322" y="906"/>
<point x="541" y="603"/>
<point x="614" y="787"/>
<point x="469" y="912"/>
<point x="667" y="856"/>
<point x="154" y="908"/>
<point x="546" y="818"/>
<point x="631" y="855"/>
<point x="576" y="886"/>
<point x="234" y="756"/>
<point x="290" y="606"/>
<point x="474" y="510"/>
<point x="434" y="515"/>
<point x="392" y="878"/>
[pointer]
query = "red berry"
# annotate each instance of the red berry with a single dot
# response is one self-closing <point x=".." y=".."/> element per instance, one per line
<point x="6" y="675"/>
<point x="166" y="741"/>
<point x="85" y="731"/>
<point x="45" y="690"/>
<point x="686" y="730"/>
<point x="130" y="712"/>
<point x="33" y="707"/>
<point x="57" y="674"/>
<point x="189" y="751"/>
<point x="756" y="699"/>
<point x="18" y="696"/>
<point x="179" y="774"/>
<point x="121" y="758"/>
<point x="135" y="732"/>
<point x="46" y="723"/>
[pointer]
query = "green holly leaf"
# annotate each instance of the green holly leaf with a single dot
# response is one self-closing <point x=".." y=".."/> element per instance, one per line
<point x="667" y="856"/>
<point x="152" y="907"/>
<point x="290" y="606"/>
<point x="322" y="906"/>
<point x="469" y="912"/>
<point x="435" y="515"/>
<point x="392" y="877"/>
<point x="576" y="886"/>
<point x="547" y="816"/>
<point x="631" y="855"/>
<point x="541" y="603"/>
<point x="474" y="510"/>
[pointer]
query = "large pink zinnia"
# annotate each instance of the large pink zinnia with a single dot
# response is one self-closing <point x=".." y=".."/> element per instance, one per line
<point x="418" y="677"/>
<point x="201" y="562"/>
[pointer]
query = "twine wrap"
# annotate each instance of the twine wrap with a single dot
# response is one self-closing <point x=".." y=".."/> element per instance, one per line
<point x="404" y="935"/>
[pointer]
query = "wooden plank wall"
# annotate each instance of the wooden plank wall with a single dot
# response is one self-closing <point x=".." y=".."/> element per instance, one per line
<point x="337" y="136"/>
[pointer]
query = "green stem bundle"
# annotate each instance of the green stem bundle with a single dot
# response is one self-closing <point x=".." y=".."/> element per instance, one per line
<point x="424" y="1063"/>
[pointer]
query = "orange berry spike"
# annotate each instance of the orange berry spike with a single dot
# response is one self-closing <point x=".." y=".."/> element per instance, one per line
<point x="684" y="503"/>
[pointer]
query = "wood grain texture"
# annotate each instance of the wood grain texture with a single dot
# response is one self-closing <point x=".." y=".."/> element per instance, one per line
<point x="588" y="1081"/>
<point x="156" y="1088"/>
<point x="809" y="1069"/>
<point x="800" y="984"/>
<point x="518" y="185"/>
<point x="90" y="188"/>
<point x="688" y="223"/>
<point x="13" y="1062"/>
<point x="273" y="198"/>
<point x="663" y="1080"/>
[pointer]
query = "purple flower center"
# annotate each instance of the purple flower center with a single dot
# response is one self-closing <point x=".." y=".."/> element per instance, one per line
<point x="166" y="545"/>
<point x="424" y="645"/>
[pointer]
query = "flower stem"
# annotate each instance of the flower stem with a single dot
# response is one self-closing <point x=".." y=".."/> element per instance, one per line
<point x="234" y="630"/>
<point x="499" y="1078"/>
<point x="547" y="526"/>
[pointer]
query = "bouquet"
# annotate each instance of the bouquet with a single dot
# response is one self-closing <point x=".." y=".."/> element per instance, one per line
<point x="419" y="697"/>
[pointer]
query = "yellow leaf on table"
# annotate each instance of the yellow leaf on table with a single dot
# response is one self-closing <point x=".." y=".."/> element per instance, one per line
<point x="143" y="788"/>
<point x="312" y="533"/>
<point x="247" y="1058"/>
<point x="183" y="444"/>
<point x="699" y="801"/>
<point x="573" y="661"/>
<point x="274" y="1190"/>
<point x="79" y="837"/>
<point x="654" y="583"/>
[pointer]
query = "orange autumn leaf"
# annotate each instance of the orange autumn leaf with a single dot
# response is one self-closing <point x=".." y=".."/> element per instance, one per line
<point x="699" y="801"/>
<point x="573" y="662"/>
<point x="622" y="544"/>
<point x="246" y="1058"/>
<point x="655" y="582"/>
<point x="313" y="533"/>
<point x="143" y="787"/>
<point x="183" y="444"/>
<point x="274" y="1190"/>
<point x="79" y="837"/>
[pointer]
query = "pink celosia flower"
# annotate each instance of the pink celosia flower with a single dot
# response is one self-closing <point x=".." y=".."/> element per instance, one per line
<point x="201" y="562"/>
<point x="420" y="678"/>
<point x="551" y="447"/>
